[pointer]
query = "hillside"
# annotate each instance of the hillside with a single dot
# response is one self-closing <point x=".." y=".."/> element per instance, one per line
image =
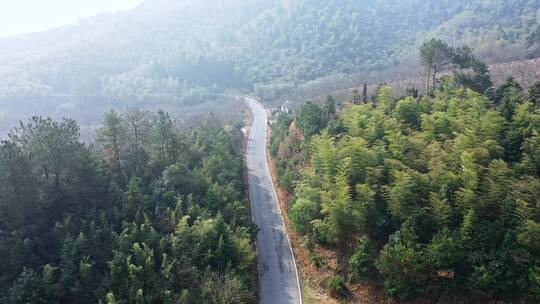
<point x="182" y="52"/>
<point x="401" y="78"/>
<point x="412" y="174"/>
<point x="418" y="200"/>
<point x="147" y="214"/>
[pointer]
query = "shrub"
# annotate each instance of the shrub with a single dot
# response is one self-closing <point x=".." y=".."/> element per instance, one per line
<point x="337" y="287"/>
<point x="360" y="260"/>
<point x="403" y="270"/>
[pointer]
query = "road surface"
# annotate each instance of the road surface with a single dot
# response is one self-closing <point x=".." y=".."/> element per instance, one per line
<point x="278" y="275"/>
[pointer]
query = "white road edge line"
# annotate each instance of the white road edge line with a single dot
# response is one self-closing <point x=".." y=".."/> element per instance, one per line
<point x="276" y="197"/>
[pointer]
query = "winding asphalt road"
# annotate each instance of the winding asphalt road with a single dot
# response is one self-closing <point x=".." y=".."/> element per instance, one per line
<point x="278" y="275"/>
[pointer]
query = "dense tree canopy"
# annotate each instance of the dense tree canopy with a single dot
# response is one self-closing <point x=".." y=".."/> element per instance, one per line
<point x="146" y="215"/>
<point x="186" y="51"/>
<point x="430" y="197"/>
<point x="468" y="71"/>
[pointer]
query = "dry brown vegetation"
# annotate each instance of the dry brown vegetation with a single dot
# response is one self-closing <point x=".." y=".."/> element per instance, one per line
<point x="408" y="75"/>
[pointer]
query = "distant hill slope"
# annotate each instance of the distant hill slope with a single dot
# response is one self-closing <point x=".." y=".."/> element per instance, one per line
<point x="183" y="50"/>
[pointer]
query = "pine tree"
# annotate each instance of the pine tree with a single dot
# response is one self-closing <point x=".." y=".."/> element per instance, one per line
<point x="365" y="93"/>
<point x="113" y="134"/>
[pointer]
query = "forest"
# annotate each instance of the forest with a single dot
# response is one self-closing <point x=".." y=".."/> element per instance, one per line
<point x="425" y="197"/>
<point x="146" y="214"/>
<point x="430" y="193"/>
<point x="183" y="52"/>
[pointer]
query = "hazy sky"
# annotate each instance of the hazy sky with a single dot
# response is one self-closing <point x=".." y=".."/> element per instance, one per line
<point x="19" y="16"/>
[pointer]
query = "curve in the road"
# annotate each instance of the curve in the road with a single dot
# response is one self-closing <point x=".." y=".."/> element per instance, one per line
<point x="278" y="275"/>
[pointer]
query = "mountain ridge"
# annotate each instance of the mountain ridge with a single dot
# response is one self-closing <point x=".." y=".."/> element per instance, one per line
<point x="192" y="49"/>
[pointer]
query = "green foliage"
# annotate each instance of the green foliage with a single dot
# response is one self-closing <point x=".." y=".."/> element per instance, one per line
<point x="113" y="134"/>
<point x="445" y="255"/>
<point x="280" y="129"/>
<point x="385" y="98"/>
<point x="534" y="93"/>
<point x="110" y="298"/>
<point x="534" y="278"/>
<point x="408" y="111"/>
<point x="360" y="262"/>
<point x="286" y="146"/>
<point x="508" y="97"/>
<point x="272" y="48"/>
<point x="338" y="208"/>
<point x="528" y="236"/>
<point x="225" y="289"/>
<point x="302" y="213"/>
<point x="404" y="270"/>
<point x="440" y="194"/>
<point x="436" y="56"/>
<point x="155" y="216"/>
<point x="28" y="288"/>
<point x="479" y="80"/>
<point x="337" y="287"/>
<point x="309" y="119"/>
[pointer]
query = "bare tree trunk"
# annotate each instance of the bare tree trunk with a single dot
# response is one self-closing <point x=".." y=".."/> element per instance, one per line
<point x="115" y="145"/>
<point x="364" y="94"/>
<point x="46" y="171"/>
<point x="460" y="77"/>
<point x="428" y="92"/>
<point x="434" y="80"/>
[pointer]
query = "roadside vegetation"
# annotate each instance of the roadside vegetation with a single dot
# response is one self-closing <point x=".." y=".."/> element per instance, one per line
<point x="147" y="214"/>
<point x="433" y="197"/>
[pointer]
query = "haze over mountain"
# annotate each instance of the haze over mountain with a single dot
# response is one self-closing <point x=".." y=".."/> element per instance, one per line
<point x="143" y="158"/>
<point x="174" y="52"/>
<point x="16" y="18"/>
